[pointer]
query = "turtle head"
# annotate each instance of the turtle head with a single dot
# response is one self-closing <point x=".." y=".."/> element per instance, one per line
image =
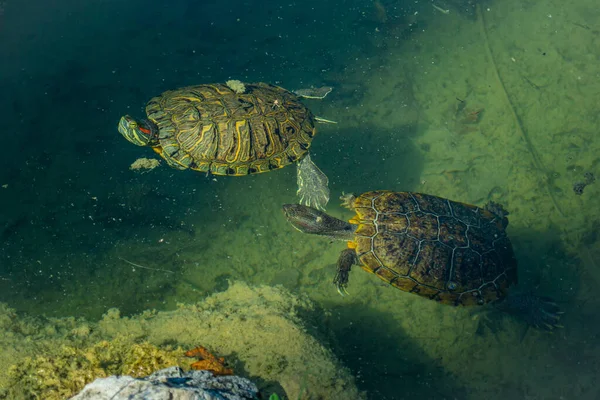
<point x="316" y="222"/>
<point x="140" y="133"/>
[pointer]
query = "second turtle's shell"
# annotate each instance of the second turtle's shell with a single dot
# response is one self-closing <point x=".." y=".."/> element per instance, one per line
<point x="447" y="251"/>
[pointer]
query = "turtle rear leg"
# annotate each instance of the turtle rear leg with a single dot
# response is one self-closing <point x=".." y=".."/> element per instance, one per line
<point x="313" y="185"/>
<point x="345" y="262"/>
<point x="540" y="312"/>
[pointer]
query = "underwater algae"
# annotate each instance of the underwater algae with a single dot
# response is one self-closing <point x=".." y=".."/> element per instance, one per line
<point x="64" y="371"/>
<point x="258" y="330"/>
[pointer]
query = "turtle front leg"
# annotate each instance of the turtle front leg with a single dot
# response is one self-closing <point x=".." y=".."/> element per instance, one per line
<point x="345" y="262"/>
<point x="313" y="185"/>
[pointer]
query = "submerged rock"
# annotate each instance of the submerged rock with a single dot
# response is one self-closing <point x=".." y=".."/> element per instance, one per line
<point x="170" y="383"/>
<point x="263" y="332"/>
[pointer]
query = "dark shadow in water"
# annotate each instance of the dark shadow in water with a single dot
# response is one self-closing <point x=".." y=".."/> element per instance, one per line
<point x="386" y="363"/>
<point x="545" y="266"/>
<point x="587" y="268"/>
<point x="63" y="242"/>
<point x="545" y="269"/>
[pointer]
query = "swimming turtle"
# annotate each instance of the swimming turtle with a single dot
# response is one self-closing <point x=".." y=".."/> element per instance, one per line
<point x="234" y="129"/>
<point x="451" y="252"/>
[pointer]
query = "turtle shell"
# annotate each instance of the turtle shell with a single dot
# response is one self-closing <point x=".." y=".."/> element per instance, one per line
<point x="447" y="251"/>
<point x="213" y="128"/>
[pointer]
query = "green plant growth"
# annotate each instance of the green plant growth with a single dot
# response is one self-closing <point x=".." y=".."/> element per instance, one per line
<point x="62" y="372"/>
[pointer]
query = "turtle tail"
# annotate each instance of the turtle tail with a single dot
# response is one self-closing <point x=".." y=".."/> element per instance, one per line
<point x="540" y="312"/>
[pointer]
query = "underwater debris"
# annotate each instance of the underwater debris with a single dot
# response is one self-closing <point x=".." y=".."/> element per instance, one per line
<point x="237" y="86"/>
<point x="144" y="164"/>
<point x="578" y="187"/>
<point x="440" y="9"/>
<point x="208" y="361"/>
<point x="466" y="117"/>
<point x="315" y="93"/>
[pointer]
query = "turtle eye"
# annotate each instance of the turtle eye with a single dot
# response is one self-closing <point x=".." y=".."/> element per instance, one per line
<point x="132" y="124"/>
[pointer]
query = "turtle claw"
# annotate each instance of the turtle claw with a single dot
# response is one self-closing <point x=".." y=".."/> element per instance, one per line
<point x="550" y="315"/>
<point x="342" y="290"/>
<point x="348" y="200"/>
<point x="345" y="262"/>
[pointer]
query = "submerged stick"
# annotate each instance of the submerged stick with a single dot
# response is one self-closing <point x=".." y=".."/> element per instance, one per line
<point x="536" y="158"/>
<point x="440" y="9"/>
<point x="141" y="266"/>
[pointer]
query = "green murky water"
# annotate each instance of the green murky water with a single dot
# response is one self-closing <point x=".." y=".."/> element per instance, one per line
<point x="494" y="101"/>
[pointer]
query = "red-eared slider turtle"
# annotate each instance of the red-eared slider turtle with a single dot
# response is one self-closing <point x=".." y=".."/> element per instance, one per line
<point x="451" y="252"/>
<point x="234" y="129"/>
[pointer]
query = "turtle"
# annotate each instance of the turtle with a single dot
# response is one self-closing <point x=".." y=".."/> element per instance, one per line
<point x="451" y="252"/>
<point x="234" y="129"/>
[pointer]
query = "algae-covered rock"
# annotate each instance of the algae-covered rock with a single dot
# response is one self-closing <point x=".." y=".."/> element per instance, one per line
<point x="61" y="372"/>
<point x="259" y="331"/>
